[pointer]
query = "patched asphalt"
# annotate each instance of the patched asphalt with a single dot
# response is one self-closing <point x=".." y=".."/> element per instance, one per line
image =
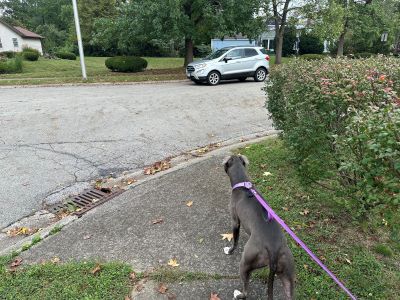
<point x="53" y="140"/>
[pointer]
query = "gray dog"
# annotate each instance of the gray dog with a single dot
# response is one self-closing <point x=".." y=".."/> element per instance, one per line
<point x="267" y="245"/>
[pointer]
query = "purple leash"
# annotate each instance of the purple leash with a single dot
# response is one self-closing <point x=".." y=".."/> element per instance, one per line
<point x="273" y="215"/>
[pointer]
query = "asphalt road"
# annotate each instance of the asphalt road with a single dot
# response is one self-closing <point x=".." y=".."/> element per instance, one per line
<point x="56" y="139"/>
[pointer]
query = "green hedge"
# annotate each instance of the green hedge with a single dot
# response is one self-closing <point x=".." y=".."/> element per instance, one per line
<point x="126" y="64"/>
<point x="31" y="56"/>
<point x="341" y="121"/>
<point x="11" y="66"/>
<point x="66" y="55"/>
<point x="312" y="56"/>
<point x="8" y="54"/>
<point x="363" y="55"/>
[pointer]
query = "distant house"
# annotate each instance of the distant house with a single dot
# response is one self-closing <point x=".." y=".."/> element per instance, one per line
<point x="267" y="38"/>
<point x="228" y="41"/>
<point x="15" y="38"/>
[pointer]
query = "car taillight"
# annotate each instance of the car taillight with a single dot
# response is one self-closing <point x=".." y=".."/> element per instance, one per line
<point x="267" y="57"/>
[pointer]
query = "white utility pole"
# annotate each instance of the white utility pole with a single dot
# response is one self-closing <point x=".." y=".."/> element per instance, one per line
<point x="79" y="37"/>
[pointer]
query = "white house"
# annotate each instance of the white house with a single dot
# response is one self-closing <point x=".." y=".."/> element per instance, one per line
<point x="228" y="41"/>
<point x="15" y="38"/>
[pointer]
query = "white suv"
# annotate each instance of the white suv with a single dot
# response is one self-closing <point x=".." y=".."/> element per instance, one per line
<point x="230" y="63"/>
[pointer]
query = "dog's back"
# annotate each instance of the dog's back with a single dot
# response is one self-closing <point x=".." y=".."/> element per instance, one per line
<point x="267" y="244"/>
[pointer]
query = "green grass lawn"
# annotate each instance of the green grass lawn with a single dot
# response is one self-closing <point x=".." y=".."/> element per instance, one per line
<point x="46" y="71"/>
<point x="68" y="281"/>
<point x="362" y="254"/>
<point x="51" y="71"/>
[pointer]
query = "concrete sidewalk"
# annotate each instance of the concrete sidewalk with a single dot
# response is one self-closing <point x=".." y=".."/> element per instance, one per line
<point x="122" y="230"/>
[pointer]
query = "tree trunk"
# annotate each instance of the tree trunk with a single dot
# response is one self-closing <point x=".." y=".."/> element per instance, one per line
<point x="278" y="48"/>
<point x="341" y="44"/>
<point x="188" y="51"/>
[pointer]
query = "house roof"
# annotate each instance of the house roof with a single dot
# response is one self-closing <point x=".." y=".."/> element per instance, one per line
<point x="22" y="32"/>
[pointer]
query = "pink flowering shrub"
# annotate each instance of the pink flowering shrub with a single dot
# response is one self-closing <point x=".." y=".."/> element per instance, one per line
<point x="341" y="120"/>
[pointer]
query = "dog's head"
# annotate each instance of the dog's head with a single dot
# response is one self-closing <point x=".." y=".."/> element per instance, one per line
<point x="235" y="159"/>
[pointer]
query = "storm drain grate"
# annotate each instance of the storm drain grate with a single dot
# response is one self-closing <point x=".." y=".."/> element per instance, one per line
<point x="85" y="201"/>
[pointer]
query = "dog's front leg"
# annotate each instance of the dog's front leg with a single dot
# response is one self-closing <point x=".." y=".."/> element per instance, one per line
<point x="235" y="231"/>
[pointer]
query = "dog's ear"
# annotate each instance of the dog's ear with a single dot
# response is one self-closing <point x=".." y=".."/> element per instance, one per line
<point x="225" y="162"/>
<point x="244" y="159"/>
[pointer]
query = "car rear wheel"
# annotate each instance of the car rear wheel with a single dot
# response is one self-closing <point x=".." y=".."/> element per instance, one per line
<point x="260" y="74"/>
<point x="242" y="79"/>
<point x="213" y="78"/>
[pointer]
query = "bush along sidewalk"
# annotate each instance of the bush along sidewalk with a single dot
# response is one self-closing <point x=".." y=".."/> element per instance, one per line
<point x="341" y="121"/>
<point x="362" y="256"/>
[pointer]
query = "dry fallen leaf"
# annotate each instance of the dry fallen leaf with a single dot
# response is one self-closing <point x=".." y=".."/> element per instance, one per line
<point x="96" y="270"/>
<point x="130" y="181"/>
<point x="16" y="262"/>
<point x="21" y="231"/>
<point x="127" y="298"/>
<point x="285" y="208"/>
<point x="214" y="297"/>
<point x="173" y="262"/>
<point x="157" y="167"/>
<point x="304" y="212"/>
<point x="55" y="260"/>
<point x="157" y="221"/>
<point x="348" y="261"/>
<point x="139" y="287"/>
<point x="162" y="288"/>
<point x="267" y="173"/>
<point x="227" y="236"/>
<point x="132" y="276"/>
<point x="189" y="203"/>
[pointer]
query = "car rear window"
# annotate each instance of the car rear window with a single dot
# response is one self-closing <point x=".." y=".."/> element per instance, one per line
<point x="263" y="51"/>
<point x="250" y="52"/>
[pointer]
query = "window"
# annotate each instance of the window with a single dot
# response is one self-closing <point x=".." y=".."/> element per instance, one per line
<point x="216" y="54"/>
<point x="250" y="52"/>
<point x="15" y="42"/>
<point x="235" y="54"/>
<point x="1" y="45"/>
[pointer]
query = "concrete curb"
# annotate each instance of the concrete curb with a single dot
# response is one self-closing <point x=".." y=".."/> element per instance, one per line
<point x="44" y="233"/>
<point x="190" y="158"/>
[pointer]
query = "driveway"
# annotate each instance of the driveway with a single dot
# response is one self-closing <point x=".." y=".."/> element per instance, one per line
<point x="56" y="139"/>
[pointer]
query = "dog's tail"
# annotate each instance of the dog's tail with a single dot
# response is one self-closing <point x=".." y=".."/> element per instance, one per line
<point x="271" y="276"/>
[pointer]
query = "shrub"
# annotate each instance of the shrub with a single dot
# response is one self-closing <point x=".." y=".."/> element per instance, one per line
<point x="66" y="55"/>
<point x="31" y="56"/>
<point x="126" y="64"/>
<point x="363" y="55"/>
<point x="11" y="66"/>
<point x="310" y="44"/>
<point x="202" y="50"/>
<point x="8" y="54"/>
<point x="289" y="38"/>
<point x="340" y="119"/>
<point x="29" y="49"/>
<point x="312" y="56"/>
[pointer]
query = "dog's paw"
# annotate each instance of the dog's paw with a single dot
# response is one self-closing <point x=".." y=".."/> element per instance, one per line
<point x="226" y="250"/>
<point x="236" y="293"/>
